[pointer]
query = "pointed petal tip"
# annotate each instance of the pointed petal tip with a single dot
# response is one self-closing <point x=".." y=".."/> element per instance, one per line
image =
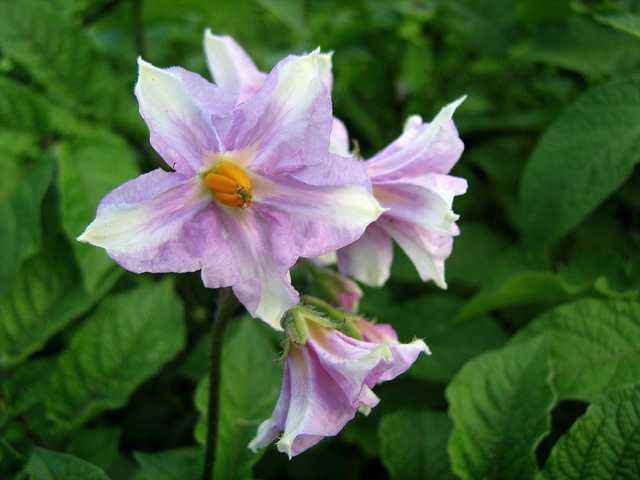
<point x="285" y="446"/>
<point x="423" y="346"/>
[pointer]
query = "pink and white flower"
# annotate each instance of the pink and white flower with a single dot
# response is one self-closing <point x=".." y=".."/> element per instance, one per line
<point x="327" y="379"/>
<point x="411" y="180"/>
<point x="253" y="185"/>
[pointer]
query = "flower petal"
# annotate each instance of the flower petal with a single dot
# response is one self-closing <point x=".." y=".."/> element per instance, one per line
<point x="158" y="222"/>
<point x="422" y="148"/>
<point x="425" y="201"/>
<point x="318" y="407"/>
<point x="403" y="354"/>
<point x="369" y="258"/>
<point x="352" y="364"/>
<point x="272" y="427"/>
<point x="232" y="69"/>
<point x="179" y="130"/>
<point x="318" y="220"/>
<point x="249" y="259"/>
<point x="288" y="121"/>
<point x="339" y="141"/>
<point x="427" y="250"/>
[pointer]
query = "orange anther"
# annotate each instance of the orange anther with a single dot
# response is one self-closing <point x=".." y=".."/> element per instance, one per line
<point x="220" y="183"/>
<point x="230" y="199"/>
<point x="229" y="184"/>
<point x="231" y="170"/>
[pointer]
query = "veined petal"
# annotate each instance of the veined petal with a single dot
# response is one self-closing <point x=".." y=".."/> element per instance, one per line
<point x="403" y="354"/>
<point x="339" y="140"/>
<point x="158" y="222"/>
<point x="272" y="427"/>
<point x="425" y="201"/>
<point x="288" y="121"/>
<point x="369" y="258"/>
<point x="426" y="250"/>
<point x="350" y="363"/>
<point x="230" y="66"/>
<point x="422" y="148"/>
<point x="318" y="220"/>
<point x="179" y="130"/>
<point x="317" y="407"/>
<point x="249" y="259"/>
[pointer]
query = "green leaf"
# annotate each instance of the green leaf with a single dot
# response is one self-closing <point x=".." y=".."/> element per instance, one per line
<point x="245" y="400"/>
<point x="603" y="444"/>
<point x="89" y="168"/>
<point x="593" y="344"/>
<point x="584" y="46"/>
<point x="48" y="465"/>
<point x="98" y="446"/>
<point x="22" y="188"/>
<point x="583" y="157"/>
<point x="21" y="108"/>
<point x="483" y="25"/>
<point x="59" y="56"/>
<point x="626" y="22"/>
<point x="46" y="295"/>
<point x="523" y="288"/>
<point x="27" y="385"/>
<point x="290" y="12"/>
<point x="126" y="341"/>
<point x="474" y="255"/>
<point x="500" y="404"/>
<point x="433" y="318"/>
<point x="179" y="464"/>
<point x="413" y="445"/>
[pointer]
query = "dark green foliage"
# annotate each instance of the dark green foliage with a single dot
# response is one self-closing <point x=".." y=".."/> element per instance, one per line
<point x="99" y="368"/>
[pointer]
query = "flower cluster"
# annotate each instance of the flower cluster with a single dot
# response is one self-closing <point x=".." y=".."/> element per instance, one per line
<point x="259" y="174"/>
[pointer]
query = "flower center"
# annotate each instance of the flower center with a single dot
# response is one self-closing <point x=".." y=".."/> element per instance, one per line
<point x="229" y="184"/>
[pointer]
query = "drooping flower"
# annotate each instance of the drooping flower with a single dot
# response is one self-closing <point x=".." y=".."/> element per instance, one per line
<point x="411" y="180"/>
<point x="328" y="377"/>
<point x="253" y="188"/>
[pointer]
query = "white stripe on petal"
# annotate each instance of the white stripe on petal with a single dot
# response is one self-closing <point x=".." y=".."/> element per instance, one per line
<point x="179" y="131"/>
<point x="232" y="69"/>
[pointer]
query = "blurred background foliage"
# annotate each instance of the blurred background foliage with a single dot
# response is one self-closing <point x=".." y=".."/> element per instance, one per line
<point x="100" y="370"/>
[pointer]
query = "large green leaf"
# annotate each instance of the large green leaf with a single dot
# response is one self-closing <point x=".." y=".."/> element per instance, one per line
<point x="500" y="404"/>
<point x="584" y="46"/>
<point x="89" y="168"/>
<point x="48" y="465"/>
<point x="22" y="188"/>
<point x="593" y="343"/>
<point x="179" y="464"/>
<point x="127" y="340"/>
<point x="624" y="21"/>
<point x="603" y="444"/>
<point x="248" y="392"/>
<point x="98" y="446"/>
<point x="582" y="158"/>
<point x="26" y="386"/>
<point x="523" y="288"/>
<point x="433" y="318"/>
<point x="483" y="25"/>
<point x="413" y="445"/>
<point x="21" y="108"/>
<point x="46" y="295"/>
<point x="59" y="56"/>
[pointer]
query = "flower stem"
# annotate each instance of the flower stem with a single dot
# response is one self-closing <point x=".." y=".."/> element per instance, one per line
<point x="224" y="308"/>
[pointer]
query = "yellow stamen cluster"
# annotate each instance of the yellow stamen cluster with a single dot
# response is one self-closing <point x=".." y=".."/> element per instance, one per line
<point x="229" y="184"/>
